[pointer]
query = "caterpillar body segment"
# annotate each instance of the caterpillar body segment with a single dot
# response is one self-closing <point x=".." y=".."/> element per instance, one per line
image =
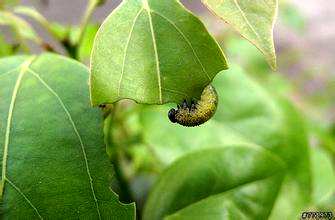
<point x="197" y="112"/>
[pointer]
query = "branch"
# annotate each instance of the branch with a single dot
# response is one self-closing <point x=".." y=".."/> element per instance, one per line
<point x="92" y="4"/>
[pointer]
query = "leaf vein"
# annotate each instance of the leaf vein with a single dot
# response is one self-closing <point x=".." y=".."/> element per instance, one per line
<point x="126" y="49"/>
<point x="187" y="41"/>
<point x="25" y="197"/>
<point x="146" y="6"/>
<point x="9" y="72"/>
<point x="23" y="68"/>
<point x="175" y="91"/>
<point x="77" y="134"/>
<point x="247" y="20"/>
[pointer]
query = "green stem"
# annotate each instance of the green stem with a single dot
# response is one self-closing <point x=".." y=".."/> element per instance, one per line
<point x="91" y="6"/>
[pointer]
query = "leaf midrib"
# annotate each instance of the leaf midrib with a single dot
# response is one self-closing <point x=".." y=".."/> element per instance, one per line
<point x="77" y="134"/>
<point x="147" y="8"/>
<point x="23" y="69"/>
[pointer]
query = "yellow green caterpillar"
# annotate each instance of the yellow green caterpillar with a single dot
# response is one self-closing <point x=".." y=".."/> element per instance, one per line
<point x="196" y="113"/>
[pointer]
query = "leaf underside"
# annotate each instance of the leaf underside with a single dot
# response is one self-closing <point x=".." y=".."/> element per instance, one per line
<point x="153" y="52"/>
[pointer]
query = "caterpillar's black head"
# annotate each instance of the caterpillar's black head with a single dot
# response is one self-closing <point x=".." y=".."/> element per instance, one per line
<point x="172" y="115"/>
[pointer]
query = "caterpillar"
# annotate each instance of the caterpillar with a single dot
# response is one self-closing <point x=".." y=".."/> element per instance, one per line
<point x="197" y="112"/>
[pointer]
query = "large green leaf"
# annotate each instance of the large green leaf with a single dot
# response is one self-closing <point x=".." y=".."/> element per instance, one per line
<point x="154" y="52"/>
<point x="219" y="183"/>
<point x="53" y="159"/>
<point x="254" y="20"/>
<point x="246" y="113"/>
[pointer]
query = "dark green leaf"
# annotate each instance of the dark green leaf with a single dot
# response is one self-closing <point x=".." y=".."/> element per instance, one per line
<point x="54" y="163"/>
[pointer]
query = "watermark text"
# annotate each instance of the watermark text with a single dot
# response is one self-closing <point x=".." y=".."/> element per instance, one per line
<point x="317" y="215"/>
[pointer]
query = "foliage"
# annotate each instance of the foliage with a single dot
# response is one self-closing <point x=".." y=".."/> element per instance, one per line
<point x="53" y="154"/>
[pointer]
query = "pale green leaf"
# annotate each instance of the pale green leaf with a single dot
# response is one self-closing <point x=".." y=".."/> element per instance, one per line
<point x="53" y="159"/>
<point x="153" y="52"/>
<point x="254" y="20"/>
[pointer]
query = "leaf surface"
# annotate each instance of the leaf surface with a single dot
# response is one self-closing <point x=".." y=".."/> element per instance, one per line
<point x="53" y="159"/>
